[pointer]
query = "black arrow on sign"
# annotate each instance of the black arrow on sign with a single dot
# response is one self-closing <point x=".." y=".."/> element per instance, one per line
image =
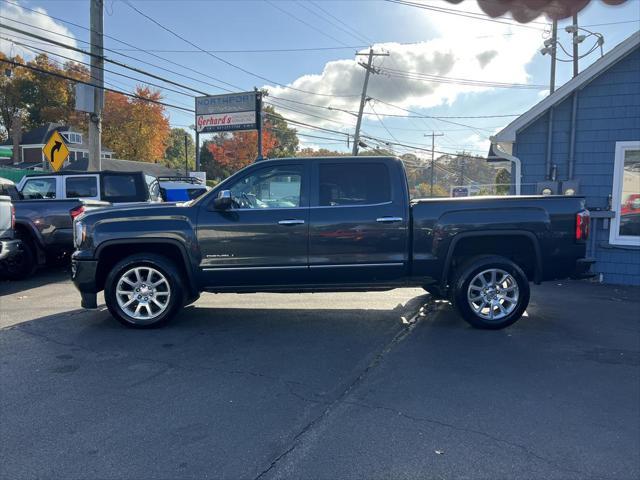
<point x="55" y="148"/>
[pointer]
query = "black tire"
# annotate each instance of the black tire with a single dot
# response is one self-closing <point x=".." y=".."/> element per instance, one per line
<point x="159" y="263"/>
<point x="24" y="263"/>
<point x="461" y="293"/>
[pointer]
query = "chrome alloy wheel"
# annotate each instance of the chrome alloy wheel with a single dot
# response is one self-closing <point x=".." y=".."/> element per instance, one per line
<point x="143" y="293"/>
<point x="493" y="294"/>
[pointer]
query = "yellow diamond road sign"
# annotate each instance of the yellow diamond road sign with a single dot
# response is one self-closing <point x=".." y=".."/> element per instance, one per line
<point x="56" y="151"/>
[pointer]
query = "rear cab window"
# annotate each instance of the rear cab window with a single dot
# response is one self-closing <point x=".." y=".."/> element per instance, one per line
<point x="352" y="184"/>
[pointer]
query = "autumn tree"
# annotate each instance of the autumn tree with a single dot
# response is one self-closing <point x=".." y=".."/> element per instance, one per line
<point x="286" y="137"/>
<point x="234" y="151"/>
<point x="135" y="128"/>
<point x="321" y="152"/>
<point x="12" y="105"/>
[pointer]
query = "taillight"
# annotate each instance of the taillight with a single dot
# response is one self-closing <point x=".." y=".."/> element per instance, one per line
<point x="77" y="211"/>
<point x="583" y="220"/>
<point x="13" y="217"/>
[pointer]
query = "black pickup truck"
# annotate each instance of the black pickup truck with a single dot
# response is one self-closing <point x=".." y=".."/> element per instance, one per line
<point x="330" y="224"/>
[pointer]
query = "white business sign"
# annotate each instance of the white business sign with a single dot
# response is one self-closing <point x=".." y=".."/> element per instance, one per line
<point x="217" y="122"/>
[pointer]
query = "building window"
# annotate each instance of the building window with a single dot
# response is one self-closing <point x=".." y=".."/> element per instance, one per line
<point x="72" y="137"/>
<point x="625" y="226"/>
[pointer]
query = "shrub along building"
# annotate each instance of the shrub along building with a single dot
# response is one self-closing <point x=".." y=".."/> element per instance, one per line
<point x="584" y="139"/>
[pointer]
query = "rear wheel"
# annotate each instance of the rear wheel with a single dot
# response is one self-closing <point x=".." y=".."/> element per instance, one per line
<point x="491" y="292"/>
<point x="144" y="291"/>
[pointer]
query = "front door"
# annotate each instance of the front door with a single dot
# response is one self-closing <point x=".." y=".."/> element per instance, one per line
<point x="263" y="238"/>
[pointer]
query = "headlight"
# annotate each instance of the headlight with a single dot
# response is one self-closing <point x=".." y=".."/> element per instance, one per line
<point x="79" y="233"/>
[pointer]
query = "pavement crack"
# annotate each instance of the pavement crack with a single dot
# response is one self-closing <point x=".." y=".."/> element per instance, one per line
<point x="494" y="438"/>
<point x="397" y="338"/>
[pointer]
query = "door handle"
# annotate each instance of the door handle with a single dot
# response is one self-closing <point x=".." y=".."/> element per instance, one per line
<point x="291" y="222"/>
<point x="388" y="219"/>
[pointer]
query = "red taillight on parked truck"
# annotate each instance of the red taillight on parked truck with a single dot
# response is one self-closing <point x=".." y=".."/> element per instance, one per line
<point x="583" y="220"/>
<point x="77" y="211"/>
<point x="13" y="217"/>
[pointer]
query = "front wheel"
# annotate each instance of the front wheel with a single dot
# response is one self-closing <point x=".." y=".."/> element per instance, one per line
<point x="23" y="263"/>
<point x="491" y="292"/>
<point x="143" y="291"/>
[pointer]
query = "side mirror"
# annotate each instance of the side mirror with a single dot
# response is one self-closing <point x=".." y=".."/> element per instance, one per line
<point x="223" y="200"/>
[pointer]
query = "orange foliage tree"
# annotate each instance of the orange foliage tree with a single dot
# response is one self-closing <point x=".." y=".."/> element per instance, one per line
<point x="239" y="149"/>
<point x="134" y="128"/>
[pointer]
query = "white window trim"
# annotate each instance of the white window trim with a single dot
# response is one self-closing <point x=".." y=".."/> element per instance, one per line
<point x="618" y="173"/>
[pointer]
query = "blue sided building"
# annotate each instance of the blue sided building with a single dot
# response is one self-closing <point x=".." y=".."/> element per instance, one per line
<point x="584" y="139"/>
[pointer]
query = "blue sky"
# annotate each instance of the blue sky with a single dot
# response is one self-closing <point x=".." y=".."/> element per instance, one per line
<point x="418" y="40"/>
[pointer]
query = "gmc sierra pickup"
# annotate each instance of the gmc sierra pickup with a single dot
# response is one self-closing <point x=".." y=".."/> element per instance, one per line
<point x="329" y="224"/>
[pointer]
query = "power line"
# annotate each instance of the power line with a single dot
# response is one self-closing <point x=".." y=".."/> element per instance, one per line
<point x="48" y="52"/>
<point x="255" y="50"/>
<point x="382" y="123"/>
<point x="436" y="118"/>
<point x="312" y="27"/>
<point x="458" y="81"/>
<point x="393" y="115"/>
<point x="220" y="59"/>
<point x="346" y="25"/>
<point x="65" y="77"/>
<point x="181" y="74"/>
<point x="84" y="52"/>
<point x="463" y="13"/>
<point x="326" y="16"/>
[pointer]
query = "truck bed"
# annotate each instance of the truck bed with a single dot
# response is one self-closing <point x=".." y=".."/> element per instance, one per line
<point x="535" y="226"/>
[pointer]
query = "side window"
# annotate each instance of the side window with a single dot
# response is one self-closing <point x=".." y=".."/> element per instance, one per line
<point x="353" y="184"/>
<point x="272" y="187"/>
<point x="81" y="187"/>
<point x="625" y="226"/>
<point x="122" y="188"/>
<point x="38" y="188"/>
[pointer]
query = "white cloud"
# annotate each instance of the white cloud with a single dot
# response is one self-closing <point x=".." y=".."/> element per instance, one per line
<point x="37" y="23"/>
<point x="459" y="48"/>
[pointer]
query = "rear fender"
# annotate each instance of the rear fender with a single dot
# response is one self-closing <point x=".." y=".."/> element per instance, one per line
<point x="537" y="277"/>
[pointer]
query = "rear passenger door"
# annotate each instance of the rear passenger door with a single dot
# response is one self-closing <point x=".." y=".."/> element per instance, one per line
<point x="358" y="225"/>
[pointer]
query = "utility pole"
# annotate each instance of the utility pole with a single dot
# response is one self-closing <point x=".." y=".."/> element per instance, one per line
<point x="575" y="44"/>
<point x="433" y="136"/>
<point x="186" y="156"/>
<point x="369" y="68"/>
<point x="259" y="122"/>
<point x="97" y="74"/>
<point x="554" y="49"/>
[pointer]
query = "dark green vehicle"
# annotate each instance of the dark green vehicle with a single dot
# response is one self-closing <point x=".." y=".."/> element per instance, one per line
<point x="328" y="224"/>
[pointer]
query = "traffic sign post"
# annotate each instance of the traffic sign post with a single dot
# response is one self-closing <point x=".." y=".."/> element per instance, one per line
<point x="56" y="151"/>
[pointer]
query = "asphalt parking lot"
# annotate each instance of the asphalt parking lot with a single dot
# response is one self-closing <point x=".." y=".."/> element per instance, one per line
<point x="326" y="386"/>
